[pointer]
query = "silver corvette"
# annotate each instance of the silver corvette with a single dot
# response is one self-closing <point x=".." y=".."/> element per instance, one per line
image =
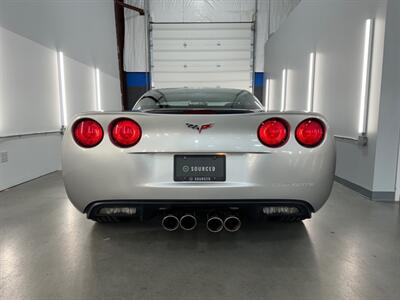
<point x="188" y="155"/>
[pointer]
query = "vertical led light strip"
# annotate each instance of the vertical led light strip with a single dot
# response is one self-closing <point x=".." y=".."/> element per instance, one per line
<point x="267" y="83"/>
<point x="283" y="94"/>
<point x="311" y="79"/>
<point x="362" y="124"/>
<point x="98" y="94"/>
<point x="61" y="80"/>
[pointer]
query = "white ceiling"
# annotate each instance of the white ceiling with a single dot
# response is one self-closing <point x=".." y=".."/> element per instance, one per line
<point x="83" y="29"/>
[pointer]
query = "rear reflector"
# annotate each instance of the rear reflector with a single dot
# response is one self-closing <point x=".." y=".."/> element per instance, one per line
<point x="310" y="133"/>
<point x="280" y="210"/>
<point x="117" y="211"/>
<point x="273" y="132"/>
<point x="87" y="133"/>
<point x="125" y="132"/>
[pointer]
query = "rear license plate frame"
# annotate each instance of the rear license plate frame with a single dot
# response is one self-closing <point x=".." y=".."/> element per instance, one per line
<point x="200" y="168"/>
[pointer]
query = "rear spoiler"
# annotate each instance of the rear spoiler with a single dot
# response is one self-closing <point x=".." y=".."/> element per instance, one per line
<point x="199" y="111"/>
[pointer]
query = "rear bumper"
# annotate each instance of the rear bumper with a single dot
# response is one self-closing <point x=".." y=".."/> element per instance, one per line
<point x="306" y="176"/>
<point x="148" y="208"/>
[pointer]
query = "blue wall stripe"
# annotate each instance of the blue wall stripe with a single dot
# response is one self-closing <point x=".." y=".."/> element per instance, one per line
<point x="259" y="79"/>
<point x="137" y="79"/>
<point x="140" y="79"/>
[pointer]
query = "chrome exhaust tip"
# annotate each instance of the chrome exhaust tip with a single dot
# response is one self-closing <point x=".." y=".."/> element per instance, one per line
<point x="188" y="222"/>
<point x="170" y="222"/>
<point x="232" y="224"/>
<point x="215" y="224"/>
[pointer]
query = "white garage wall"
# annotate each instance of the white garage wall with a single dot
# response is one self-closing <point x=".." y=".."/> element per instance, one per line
<point x="84" y="29"/>
<point x="28" y="158"/>
<point x="80" y="88"/>
<point x="110" y="93"/>
<point x="338" y="41"/>
<point x="280" y="9"/>
<point x="28" y="85"/>
<point x="389" y="112"/>
<point x="30" y="102"/>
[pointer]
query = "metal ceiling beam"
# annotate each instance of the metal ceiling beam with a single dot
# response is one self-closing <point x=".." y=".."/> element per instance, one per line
<point x="120" y="32"/>
<point x="137" y="9"/>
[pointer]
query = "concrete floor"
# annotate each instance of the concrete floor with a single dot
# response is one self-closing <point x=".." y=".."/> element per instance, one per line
<point x="349" y="250"/>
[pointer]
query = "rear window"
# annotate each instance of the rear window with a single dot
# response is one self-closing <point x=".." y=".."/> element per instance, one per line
<point x="197" y="99"/>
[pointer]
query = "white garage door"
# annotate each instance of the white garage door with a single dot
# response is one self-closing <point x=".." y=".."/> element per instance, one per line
<point x="202" y="55"/>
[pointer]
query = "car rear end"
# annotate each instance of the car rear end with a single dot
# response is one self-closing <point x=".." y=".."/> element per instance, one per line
<point x="198" y="161"/>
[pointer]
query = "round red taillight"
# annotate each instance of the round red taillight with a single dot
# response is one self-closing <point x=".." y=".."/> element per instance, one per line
<point x="273" y="132"/>
<point x="310" y="133"/>
<point x="125" y="132"/>
<point x="87" y="133"/>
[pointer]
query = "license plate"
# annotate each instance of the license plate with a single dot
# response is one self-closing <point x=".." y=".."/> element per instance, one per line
<point x="199" y="168"/>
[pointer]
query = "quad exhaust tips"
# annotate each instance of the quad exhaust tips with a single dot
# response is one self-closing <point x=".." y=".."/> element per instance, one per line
<point x="170" y="222"/>
<point x="232" y="223"/>
<point x="215" y="224"/>
<point x="188" y="222"/>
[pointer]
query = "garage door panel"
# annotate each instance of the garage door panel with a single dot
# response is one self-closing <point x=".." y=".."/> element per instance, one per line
<point x="204" y="63"/>
<point x="201" y="35"/>
<point x="202" y="54"/>
<point x="200" y="26"/>
<point x="234" y="76"/>
<point x="205" y="66"/>
<point x="200" y="84"/>
<point x="203" y="45"/>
